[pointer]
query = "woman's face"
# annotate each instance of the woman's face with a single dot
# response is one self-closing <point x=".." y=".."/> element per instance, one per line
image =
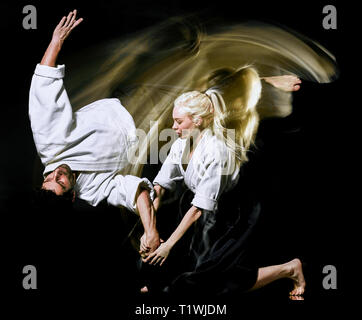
<point x="182" y="123"/>
<point x="61" y="180"/>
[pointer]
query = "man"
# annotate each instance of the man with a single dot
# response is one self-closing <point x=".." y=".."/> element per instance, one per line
<point x="84" y="152"/>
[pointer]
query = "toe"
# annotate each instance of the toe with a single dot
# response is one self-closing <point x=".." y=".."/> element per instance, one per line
<point x="296" y="88"/>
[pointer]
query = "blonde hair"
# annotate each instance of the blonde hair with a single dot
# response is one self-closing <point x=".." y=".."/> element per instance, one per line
<point x="231" y="104"/>
<point x="195" y="104"/>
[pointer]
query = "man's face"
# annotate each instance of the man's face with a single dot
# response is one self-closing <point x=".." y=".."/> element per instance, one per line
<point x="61" y="180"/>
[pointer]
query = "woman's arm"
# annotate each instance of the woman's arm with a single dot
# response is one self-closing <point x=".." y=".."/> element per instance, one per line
<point x="162" y="252"/>
<point x="61" y="32"/>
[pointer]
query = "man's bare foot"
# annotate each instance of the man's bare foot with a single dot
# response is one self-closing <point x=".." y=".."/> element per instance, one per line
<point x="144" y="289"/>
<point x="296" y="274"/>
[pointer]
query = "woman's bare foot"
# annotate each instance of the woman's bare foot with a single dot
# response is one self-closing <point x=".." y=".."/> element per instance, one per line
<point x="296" y="274"/>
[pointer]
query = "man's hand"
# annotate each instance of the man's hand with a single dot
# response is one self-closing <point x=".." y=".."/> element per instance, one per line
<point x="149" y="243"/>
<point x="61" y="32"/>
<point x="65" y="26"/>
<point x="285" y="83"/>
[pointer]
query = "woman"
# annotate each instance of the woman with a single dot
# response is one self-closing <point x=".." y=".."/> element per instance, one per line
<point x="215" y="130"/>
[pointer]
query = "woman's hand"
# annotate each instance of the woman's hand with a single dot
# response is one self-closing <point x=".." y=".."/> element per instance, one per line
<point x="162" y="252"/>
<point x="159" y="255"/>
<point x="64" y="28"/>
<point x="285" y="83"/>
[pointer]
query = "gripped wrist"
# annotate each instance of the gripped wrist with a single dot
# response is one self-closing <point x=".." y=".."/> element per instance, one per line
<point x="151" y="233"/>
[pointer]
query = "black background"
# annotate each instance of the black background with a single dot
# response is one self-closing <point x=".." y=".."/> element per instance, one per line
<point x="303" y="170"/>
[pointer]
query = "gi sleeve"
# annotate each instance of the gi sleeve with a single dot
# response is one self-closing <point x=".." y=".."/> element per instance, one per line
<point x="122" y="191"/>
<point x="50" y="111"/>
<point x="170" y="173"/>
<point x="212" y="184"/>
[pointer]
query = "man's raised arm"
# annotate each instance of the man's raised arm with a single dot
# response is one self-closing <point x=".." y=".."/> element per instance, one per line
<point x="50" y="110"/>
<point x="61" y="32"/>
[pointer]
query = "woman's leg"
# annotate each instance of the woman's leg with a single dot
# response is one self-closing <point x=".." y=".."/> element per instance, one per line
<point x="291" y="269"/>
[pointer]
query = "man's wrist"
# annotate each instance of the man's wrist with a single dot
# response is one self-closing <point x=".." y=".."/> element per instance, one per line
<point x="55" y="44"/>
<point x="152" y="232"/>
<point x="51" y="54"/>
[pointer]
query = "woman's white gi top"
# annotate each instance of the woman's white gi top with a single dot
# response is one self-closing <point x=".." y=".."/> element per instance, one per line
<point x="210" y="171"/>
<point x="93" y="140"/>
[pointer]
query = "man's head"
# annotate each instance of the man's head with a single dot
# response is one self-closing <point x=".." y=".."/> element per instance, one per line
<point x="60" y="181"/>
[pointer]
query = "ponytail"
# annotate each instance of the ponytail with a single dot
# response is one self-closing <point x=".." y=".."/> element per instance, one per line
<point x="231" y="107"/>
<point x="234" y="100"/>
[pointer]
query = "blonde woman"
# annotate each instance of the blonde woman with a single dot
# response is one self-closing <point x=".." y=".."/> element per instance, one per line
<point x="216" y="130"/>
